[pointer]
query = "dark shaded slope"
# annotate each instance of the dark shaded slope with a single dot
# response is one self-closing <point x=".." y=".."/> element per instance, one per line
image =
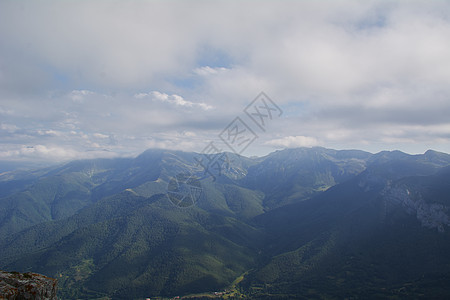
<point x="384" y="233"/>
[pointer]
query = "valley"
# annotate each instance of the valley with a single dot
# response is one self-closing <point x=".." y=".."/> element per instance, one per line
<point x="296" y="224"/>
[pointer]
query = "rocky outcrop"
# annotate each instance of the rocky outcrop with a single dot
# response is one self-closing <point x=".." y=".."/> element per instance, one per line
<point x="14" y="285"/>
<point x="431" y="215"/>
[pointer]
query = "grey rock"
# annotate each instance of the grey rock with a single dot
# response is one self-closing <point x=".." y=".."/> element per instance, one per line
<point x="431" y="215"/>
<point x="14" y="285"/>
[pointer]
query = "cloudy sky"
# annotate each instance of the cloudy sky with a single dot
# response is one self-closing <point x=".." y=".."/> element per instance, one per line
<point x="83" y="79"/>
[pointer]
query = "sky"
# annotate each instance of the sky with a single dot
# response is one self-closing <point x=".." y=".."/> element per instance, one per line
<point x="88" y="79"/>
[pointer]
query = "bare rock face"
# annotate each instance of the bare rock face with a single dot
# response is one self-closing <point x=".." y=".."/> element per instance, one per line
<point x="14" y="285"/>
<point x="431" y="215"/>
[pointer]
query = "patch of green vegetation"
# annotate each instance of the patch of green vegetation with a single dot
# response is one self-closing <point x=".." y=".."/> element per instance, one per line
<point x="303" y="223"/>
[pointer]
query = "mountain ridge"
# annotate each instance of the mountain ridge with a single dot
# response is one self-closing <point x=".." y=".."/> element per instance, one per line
<point x="284" y="219"/>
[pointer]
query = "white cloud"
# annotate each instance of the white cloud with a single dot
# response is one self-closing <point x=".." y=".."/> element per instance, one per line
<point x="348" y="72"/>
<point x="79" y="95"/>
<point x="189" y="134"/>
<point x="207" y="70"/>
<point x="5" y="112"/>
<point x="49" y="153"/>
<point x="293" y="142"/>
<point x="49" y="133"/>
<point x="101" y="135"/>
<point x="8" y="127"/>
<point x="141" y="95"/>
<point x="183" y="145"/>
<point x="172" y="99"/>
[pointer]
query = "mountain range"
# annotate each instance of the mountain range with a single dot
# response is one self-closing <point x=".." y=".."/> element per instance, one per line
<point x="298" y="223"/>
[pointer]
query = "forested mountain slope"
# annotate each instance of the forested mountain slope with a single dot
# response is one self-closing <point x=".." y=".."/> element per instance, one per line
<point x="307" y="221"/>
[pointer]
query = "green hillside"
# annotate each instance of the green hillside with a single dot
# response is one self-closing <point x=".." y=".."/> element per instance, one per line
<point x="361" y="239"/>
<point x="299" y="223"/>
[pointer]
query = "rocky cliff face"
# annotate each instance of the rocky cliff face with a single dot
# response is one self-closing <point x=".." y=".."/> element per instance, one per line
<point x="431" y="215"/>
<point x="14" y="285"/>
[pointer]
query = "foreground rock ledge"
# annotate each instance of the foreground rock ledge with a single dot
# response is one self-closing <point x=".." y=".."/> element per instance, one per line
<point x="14" y="285"/>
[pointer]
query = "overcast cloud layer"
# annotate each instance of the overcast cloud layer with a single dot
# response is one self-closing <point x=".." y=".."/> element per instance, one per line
<point x="83" y="79"/>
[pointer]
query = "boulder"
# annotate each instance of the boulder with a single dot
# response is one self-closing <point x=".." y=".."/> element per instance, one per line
<point x="14" y="285"/>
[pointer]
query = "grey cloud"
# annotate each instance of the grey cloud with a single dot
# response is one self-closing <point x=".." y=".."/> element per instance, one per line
<point x="348" y="72"/>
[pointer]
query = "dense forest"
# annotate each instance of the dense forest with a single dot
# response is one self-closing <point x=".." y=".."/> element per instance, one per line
<point x="298" y="223"/>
